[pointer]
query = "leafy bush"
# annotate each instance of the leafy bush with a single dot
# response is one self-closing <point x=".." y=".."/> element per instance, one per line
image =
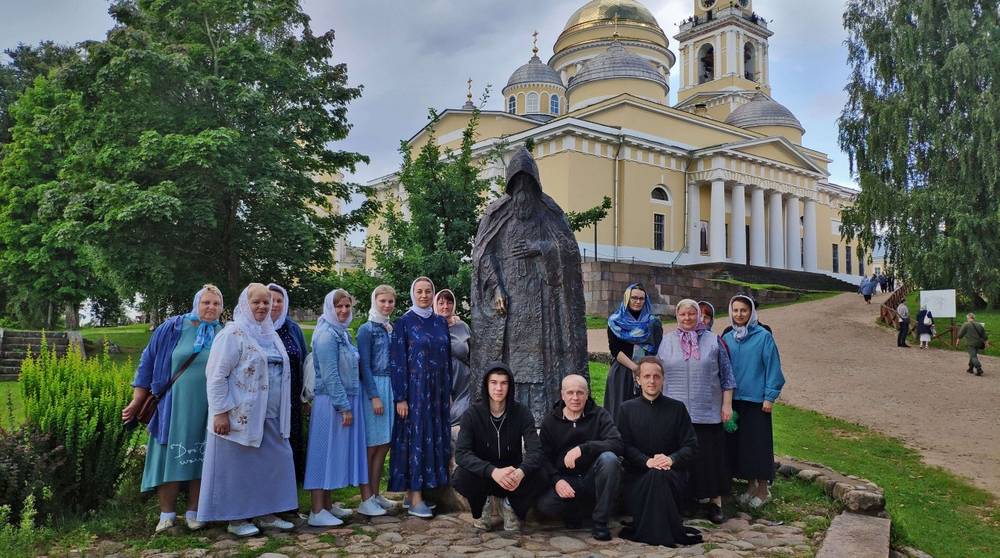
<point x="28" y="468"/>
<point x="78" y="401"/>
<point x="19" y="538"/>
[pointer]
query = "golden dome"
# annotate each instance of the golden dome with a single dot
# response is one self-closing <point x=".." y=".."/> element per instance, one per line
<point x="606" y="11"/>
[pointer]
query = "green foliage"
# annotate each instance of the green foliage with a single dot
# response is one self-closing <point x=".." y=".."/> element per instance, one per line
<point x="312" y="288"/>
<point x="589" y="218"/>
<point x="27" y="63"/>
<point x="78" y="401"/>
<point x="922" y="130"/>
<point x="20" y="537"/>
<point x="29" y="462"/>
<point x="445" y="195"/>
<point x="11" y="405"/>
<point x="203" y="156"/>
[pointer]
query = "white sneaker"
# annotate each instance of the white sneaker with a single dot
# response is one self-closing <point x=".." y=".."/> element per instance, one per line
<point x="242" y="528"/>
<point x="273" y="522"/>
<point x="371" y="508"/>
<point x="164" y="524"/>
<point x="339" y="512"/>
<point x="323" y="519"/>
<point x="385" y="503"/>
<point x="194" y="524"/>
<point x="485" y="521"/>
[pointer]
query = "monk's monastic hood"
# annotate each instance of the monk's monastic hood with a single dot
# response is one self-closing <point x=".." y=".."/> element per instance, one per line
<point x="522" y="162"/>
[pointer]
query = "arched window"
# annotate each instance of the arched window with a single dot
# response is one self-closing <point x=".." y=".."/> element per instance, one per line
<point x="706" y="63"/>
<point x="531" y="103"/>
<point x="554" y="104"/>
<point x="512" y="105"/>
<point x="659" y="194"/>
<point x="749" y="62"/>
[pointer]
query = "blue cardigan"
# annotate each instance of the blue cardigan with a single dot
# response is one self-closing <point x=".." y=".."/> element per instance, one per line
<point x="756" y="365"/>
<point x="154" y="370"/>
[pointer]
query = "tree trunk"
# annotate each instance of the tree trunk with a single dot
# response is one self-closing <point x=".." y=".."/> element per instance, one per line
<point x="230" y="251"/>
<point x="72" y="317"/>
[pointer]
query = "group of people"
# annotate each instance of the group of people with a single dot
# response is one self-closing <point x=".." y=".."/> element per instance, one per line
<point x="231" y="402"/>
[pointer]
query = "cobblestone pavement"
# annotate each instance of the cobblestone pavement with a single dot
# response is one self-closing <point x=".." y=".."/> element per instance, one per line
<point x="453" y="535"/>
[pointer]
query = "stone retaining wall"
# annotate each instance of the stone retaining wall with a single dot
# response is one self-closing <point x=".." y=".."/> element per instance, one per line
<point x="604" y="283"/>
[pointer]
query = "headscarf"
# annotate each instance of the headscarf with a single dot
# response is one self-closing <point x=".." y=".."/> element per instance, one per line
<point x="630" y="328"/>
<point x="284" y="307"/>
<point x="453" y="297"/>
<point x="422" y="312"/>
<point x="263" y="331"/>
<point x="741" y="331"/>
<point x="689" y="339"/>
<point x="330" y="312"/>
<point x="206" y="330"/>
<point x="378" y="317"/>
<point x="701" y="325"/>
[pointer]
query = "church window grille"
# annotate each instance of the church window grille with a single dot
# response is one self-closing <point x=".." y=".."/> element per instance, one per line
<point x="836" y="258"/>
<point x="658" y="231"/>
<point x="554" y="104"/>
<point x="660" y="194"/>
<point x="847" y="259"/>
<point x="531" y="103"/>
<point x="512" y="104"/>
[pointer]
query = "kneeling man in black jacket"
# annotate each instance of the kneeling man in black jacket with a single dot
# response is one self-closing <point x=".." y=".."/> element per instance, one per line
<point x="582" y="448"/>
<point x="489" y="456"/>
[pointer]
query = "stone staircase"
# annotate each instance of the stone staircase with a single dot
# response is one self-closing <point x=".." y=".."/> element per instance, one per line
<point x="15" y="345"/>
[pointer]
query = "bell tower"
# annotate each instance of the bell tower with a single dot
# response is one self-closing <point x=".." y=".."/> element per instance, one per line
<point x="723" y="49"/>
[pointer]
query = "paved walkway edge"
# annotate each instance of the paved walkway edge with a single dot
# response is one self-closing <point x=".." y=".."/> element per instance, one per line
<point x="853" y="535"/>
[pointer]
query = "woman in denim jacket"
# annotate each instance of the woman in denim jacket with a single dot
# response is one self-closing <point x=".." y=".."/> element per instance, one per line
<point x="374" y="337"/>
<point x="337" y="455"/>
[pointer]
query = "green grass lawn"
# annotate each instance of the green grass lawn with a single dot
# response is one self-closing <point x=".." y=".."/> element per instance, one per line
<point x="11" y="404"/>
<point x="990" y="317"/>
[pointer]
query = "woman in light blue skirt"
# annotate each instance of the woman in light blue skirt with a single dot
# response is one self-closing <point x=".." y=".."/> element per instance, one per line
<point x="337" y="454"/>
<point x="374" y="338"/>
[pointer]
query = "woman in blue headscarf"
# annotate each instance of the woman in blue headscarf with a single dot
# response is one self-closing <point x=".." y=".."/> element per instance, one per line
<point x="177" y="430"/>
<point x="633" y="332"/>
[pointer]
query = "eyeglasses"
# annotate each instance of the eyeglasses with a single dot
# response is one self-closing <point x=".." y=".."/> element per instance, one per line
<point x="637" y="298"/>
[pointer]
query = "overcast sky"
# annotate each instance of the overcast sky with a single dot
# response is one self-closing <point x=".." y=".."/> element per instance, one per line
<point x="414" y="54"/>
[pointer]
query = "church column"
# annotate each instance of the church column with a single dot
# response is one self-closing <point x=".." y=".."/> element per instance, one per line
<point x="810" y="235"/>
<point x="737" y="224"/>
<point x="739" y="53"/>
<point x="694" y="219"/>
<point x="731" y="43"/>
<point x="793" y="244"/>
<point x="758" y="252"/>
<point x="717" y="55"/>
<point x="692" y="65"/>
<point x="717" y="224"/>
<point x="777" y="231"/>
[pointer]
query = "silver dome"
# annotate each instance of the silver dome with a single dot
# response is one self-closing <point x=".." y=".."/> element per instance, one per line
<point x="617" y="63"/>
<point x="763" y="111"/>
<point x="535" y="71"/>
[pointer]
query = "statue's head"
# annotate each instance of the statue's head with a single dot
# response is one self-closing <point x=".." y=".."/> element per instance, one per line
<point x="523" y="184"/>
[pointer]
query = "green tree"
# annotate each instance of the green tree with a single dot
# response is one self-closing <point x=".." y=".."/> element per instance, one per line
<point x="206" y="152"/>
<point x="27" y="63"/>
<point x="44" y="267"/>
<point x="445" y="195"/>
<point x="922" y="130"/>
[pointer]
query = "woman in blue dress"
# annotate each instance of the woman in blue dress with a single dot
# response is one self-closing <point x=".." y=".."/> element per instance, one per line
<point x="373" y="349"/>
<point x="177" y="431"/>
<point x="420" y="364"/>
<point x="337" y="455"/>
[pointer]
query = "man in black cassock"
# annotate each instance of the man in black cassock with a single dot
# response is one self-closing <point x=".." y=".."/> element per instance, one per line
<point x="659" y="444"/>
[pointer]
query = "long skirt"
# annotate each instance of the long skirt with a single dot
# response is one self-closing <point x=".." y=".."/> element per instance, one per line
<point x="751" y="447"/>
<point x="241" y="482"/>
<point x="337" y="456"/>
<point x="652" y="499"/>
<point x="180" y="459"/>
<point x="710" y="471"/>
<point x="620" y="387"/>
<point x="378" y="428"/>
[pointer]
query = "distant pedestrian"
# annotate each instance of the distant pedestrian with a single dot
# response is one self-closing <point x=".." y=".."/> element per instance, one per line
<point x="904" y="324"/>
<point x="868" y="288"/>
<point x="925" y="326"/>
<point x="974" y="335"/>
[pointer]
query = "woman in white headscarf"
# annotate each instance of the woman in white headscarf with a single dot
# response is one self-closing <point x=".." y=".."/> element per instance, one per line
<point x="757" y="369"/>
<point x="374" y="337"/>
<point x="249" y="472"/>
<point x="420" y="361"/>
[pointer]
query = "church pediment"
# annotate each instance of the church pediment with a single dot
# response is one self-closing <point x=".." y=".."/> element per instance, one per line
<point x="776" y="149"/>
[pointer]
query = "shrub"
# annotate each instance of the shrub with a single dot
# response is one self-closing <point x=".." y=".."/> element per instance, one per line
<point x="78" y="401"/>
<point x="28" y="468"/>
<point x="19" y="538"/>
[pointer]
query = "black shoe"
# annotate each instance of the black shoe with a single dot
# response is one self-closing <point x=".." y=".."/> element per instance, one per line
<point x="715" y="514"/>
<point x="979" y="371"/>
<point x="601" y="532"/>
<point x="969" y="370"/>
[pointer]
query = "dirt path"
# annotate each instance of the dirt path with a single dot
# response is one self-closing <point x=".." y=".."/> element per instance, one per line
<point x="837" y="361"/>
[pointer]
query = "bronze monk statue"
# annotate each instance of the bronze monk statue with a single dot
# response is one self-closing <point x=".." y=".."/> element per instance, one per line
<point x="527" y="291"/>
